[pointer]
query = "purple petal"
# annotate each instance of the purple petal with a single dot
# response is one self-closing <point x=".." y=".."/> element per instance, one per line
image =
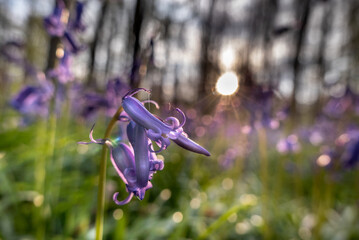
<point x="190" y="145"/>
<point x="123" y="202"/>
<point x="138" y="113"/>
<point x="139" y="141"/>
<point x="122" y="158"/>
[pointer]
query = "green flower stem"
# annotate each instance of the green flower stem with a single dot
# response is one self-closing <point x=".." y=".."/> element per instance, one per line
<point x="102" y="179"/>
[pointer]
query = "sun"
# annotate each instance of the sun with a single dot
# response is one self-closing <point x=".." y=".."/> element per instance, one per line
<point x="227" y="84"/>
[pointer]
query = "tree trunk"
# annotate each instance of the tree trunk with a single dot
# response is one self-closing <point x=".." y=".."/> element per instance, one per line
<point x="137" y="25"/>
<point x="91" y="79"/>
<point x="303" y="15"/>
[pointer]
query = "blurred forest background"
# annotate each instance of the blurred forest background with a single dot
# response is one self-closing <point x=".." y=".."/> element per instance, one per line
<point x="284" y="146"/>
<point x="307" y="49"/>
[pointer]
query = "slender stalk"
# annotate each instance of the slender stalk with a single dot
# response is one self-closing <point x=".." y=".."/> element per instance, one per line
<point x="262" y="145"/>
<point x="102" y="179"/>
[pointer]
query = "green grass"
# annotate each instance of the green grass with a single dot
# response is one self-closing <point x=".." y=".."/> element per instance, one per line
<point x="49" y="190"/>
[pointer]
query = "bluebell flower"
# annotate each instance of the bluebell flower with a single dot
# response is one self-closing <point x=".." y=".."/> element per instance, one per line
<point x="158" y="130"/>
<point x="337" y="106"/>
<point x="259" y="103"/>
<point x="63" y="72"/>
<point x="55" y="24"/>
<point x="91" y="103"/>
<point x="115" y="90"/>
<point x="71" y="43"/>
<point x="351" y="156"/>
<point x="135" y="164"/>
<point x="13" y="51"/>
<point x="139" y="141"/>
<point x="33" y="100"/>
<point x="77" y="23"/>
<point x="289" y="144"/>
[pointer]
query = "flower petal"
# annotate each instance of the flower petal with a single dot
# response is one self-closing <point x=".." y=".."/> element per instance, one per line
<point x="190" y="145"/>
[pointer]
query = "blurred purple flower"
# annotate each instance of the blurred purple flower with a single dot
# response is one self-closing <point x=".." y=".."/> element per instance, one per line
<point x="63" y="72"/>
<point x="55" y="24"/>
<point x="91" y="103"/>
<point x="77" y="23"/>
<point x="351" y="155"/>
<point x="115" y="90"/>
<point x="288" y="145"/>
<point x="337" y="106"/>
<point x="13" y="51"/>
<point x="71" y="44"/>
<point x="259" y="104"/>
<point x="33" y="100"/>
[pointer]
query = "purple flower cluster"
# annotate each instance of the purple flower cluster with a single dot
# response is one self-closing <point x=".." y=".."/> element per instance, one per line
<point x="91" y="102"/>
<point x="289" y="144"/>
<point x="58" y="24"/>
<point x="34" y="100"/>
<point x="136" y="162"/>
<point x="337" y="106"/>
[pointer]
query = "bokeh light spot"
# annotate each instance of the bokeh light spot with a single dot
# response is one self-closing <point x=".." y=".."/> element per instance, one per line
<point x="242" y="227"/>
<point x="177" y="217"/>
<point x="227" y="57"/>
<point x="117" y="214"/>
<point x="195" y="203"/>
<point x="246" y="129"/>
<point x="38" y="200"/>
<point x="165" y="194"/>
<point x="248" y="199"/>
<point x="232" y="218"/>
<point x="323" y="160"/>
<point x="227" y="84"/>
<point x="227" y="184"/>
<point x="256" y="220"/>
<point x="200" y="131"/>
<point x="60" y="52"/>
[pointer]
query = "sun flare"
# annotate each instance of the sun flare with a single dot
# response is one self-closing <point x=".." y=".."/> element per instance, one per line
<point x="227" y="84"/>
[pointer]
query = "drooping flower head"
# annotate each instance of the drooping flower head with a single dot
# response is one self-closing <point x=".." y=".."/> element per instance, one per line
<point x="134" y="163"/>
<point x="137" y="162"/>
<point x="157" y="129"/>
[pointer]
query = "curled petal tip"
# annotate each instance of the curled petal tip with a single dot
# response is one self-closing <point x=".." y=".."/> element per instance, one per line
<point x="153" y="102"/>
<point x="162" y="147"/>
<point x="123" y="202"/>
<point x="183" y="116"/>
